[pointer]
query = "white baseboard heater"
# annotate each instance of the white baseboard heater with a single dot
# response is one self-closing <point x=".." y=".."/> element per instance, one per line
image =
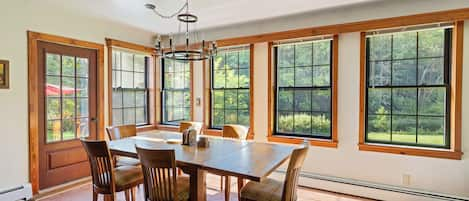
<point x="371" y="190"/>
<point x="23" y="192"/>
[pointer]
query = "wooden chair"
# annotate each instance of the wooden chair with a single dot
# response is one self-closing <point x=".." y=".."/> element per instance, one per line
<point x="108" y="180"/>
<point x="184" y="125"/>
<point x="120" y="132"/>
<point x="236" y="132"/>
<point x="161" y="182"/>
<point x="272" y="190"/>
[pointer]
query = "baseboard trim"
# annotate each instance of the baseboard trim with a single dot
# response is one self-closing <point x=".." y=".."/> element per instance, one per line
<point x="376" y="186"/>
<point x="49" y="192"/>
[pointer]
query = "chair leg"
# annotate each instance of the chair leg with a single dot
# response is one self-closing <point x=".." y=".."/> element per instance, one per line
<point x="127" y="195"/>
<point x="132" y="192"/>
<point x="109" y="197"/>
<point x="240" y="185"/>
<point x="95" y="196"/>
<point x="227" y="187"/>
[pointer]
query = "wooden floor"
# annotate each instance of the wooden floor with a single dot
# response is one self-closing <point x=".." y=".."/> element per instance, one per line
<point x="83" y="193"/>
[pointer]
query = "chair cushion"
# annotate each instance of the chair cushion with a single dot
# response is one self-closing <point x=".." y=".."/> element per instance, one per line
<point x="267" y="190"/>
<point x="127" y="177"/>
<point x="127" y="161"/>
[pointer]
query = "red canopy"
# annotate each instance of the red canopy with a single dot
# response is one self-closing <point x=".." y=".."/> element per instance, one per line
<point x="54" y="90"/>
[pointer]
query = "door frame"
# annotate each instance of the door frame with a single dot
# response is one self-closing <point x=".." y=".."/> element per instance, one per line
<point x="33" y="94"/>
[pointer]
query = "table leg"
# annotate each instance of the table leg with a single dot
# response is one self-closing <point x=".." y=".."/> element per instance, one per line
<point x="241" y="182"/>
<point x="198" y="190"/>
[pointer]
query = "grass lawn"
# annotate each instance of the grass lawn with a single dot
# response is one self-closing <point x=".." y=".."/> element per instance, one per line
<point x="52" y="137"/>
<point x="422" y="139"/>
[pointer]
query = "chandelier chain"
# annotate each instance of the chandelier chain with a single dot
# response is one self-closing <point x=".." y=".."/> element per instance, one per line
<point x="186" y="5"/>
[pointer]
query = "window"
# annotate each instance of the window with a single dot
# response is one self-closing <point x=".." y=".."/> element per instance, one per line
<point x="408" y="87"/>
<point x="176" y="95"/>
<point x="129" y="88"/>
<point x="303" y="89"/>
<point x="230" y="87"/>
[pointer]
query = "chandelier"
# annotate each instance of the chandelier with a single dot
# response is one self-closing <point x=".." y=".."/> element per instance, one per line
<point x="190" y="50"/>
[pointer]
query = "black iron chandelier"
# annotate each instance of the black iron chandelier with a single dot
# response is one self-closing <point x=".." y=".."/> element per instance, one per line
<point x="190" y="50"/>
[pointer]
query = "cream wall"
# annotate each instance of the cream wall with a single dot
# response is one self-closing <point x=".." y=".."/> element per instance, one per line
<point x="17" y="17"/>
<point x="428" y="174"/>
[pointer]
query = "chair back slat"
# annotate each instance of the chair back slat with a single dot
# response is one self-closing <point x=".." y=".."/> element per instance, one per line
<point x="235" y="131"/>
<point x="102" y="172"/>
<point x="120" y="132"/>
<point x="159" y="173"/>
<point x="293" y="172"/>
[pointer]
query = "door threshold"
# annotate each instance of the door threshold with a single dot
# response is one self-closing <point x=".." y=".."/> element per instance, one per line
<point x="48" y="192"/>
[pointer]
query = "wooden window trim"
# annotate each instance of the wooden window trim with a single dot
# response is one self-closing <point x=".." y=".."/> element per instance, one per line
<point x="111" y="43"/>
<point x="207" y="106"/>
<point x="333" y="142"/>
<point x="455" y="151"/>
<point x="33" y="38"/>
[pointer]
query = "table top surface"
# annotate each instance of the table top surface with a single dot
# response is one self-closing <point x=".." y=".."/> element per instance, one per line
<point x="248" y="159"/>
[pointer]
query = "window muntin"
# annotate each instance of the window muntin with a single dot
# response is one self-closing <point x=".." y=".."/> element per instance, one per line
<point x="408" y="88"/>
<point x="303" y="92"/>
<point x="129" y="88"/>
<point x="176" y="95"/>
<point x="230" y="87"/>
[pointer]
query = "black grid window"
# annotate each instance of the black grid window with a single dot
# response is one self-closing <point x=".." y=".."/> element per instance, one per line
<point x="408" y="87"/>
<point x="129" y="88"/>
<point x="176" y="95"/>
<point x="230" y="87"/>
<point x="303" y="96"/>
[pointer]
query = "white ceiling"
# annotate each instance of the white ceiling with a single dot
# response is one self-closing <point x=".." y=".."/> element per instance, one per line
<point x="211" y="13"/>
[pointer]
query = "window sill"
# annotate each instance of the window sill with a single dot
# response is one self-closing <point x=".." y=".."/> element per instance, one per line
<point x="145" y="128"/>
<point x="434" y="153"/>
<point x="293" y="140"/>
<point x="167" y="127"/>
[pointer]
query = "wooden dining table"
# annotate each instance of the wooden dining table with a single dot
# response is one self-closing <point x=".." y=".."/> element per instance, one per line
<point x="243" y="159"/>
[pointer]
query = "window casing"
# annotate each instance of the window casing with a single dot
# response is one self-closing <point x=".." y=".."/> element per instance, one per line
<point x="176" y="94"/>
<point x="408" y="86"/>
<point x="230" y="87"/>
<point x="303" y="89"/>
<point x="130" y="88"/>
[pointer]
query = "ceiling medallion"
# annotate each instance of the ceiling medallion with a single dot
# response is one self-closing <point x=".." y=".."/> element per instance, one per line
<point x="192" y="49"/>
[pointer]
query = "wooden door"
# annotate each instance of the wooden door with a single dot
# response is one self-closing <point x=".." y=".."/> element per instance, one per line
<point x="67" y="109"/>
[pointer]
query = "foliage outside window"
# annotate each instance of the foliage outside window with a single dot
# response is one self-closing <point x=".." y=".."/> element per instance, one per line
<point x="129" y="88"/>
<point x="176" y="95"/>
<point x="303" y="89"/>
<point x="408" y="87"/>
<point x="230" y="99"/>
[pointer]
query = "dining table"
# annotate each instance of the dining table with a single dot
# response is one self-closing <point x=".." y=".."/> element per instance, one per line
<point x="245" y="159"/>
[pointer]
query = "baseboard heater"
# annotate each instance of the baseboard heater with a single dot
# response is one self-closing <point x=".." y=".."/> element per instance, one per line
<point x="23" y="192"/>
<point x="396" y="189"/>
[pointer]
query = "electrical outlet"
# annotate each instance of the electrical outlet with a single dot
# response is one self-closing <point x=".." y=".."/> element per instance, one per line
<point x="406" y="179"/>
<point x="197" y="101"/>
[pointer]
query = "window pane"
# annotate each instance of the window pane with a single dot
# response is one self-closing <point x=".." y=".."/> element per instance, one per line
<point x="116" y="79"/>
<point x="139" y="80"/>
<point x="219" y="79"/>
<point x="83" y="127"/>
<point x="302" y="100"/>
<point x="432" y="101"/>
<point x="53" y="108"/>
<point x="116" y="59"/>
<point x="243" y="99"/>
<point x="285" y="100"/>
<point x="404" y="101"/>
<point x="139" y="63"/>
<point x="231" y="78"/>
<point x="54" y="130"/>
<point x="431" y="131"/>
<point x="244" y="59"/>
<point x="380" y="73"/>
<point x="117" y="117"/>
<point x="141" y="99"/>
<point x="302" y="122"/>
<point x="321" y="124"/>
<point x="303" y="76"/>
<point x="68" y="86"/>
<point x="379" y="128"/>
<point x="82" y="107"/>
<point x="404" y="72"/>
<point x="405" y="45"/>
<point x="243" y="117"/>
<point x="68" y="129"/>
<point x="68" y="108"/>
<point x="129" y="116"/>
<point x="244" y="78"/>
<point x="286" y="77"/>
<point x="127" y="61"/>
<point x="218" y="118"/>
<point x="321" y="100"/>
<point x="285" y="56"/>
<point x="285" y="122"/>
<point x="431" y="71"/>
<point x="431" y="43"/>
<point x="380" y="47"/>
<point x="82" y="67"/>
<point x="231" y="99"/>
<point x="404" y="129"/>
<point x="141" y="116"/>
<point x="127" y="80"/>
<point x="68" y="66"/>
<point x="379" y="101"/>
<point x="321" y="76"/>
<point x="322" y="53"/>
<point x="231" y="60"/>
<point x="218" y="61"/>
<point x="303" y="54"/>
<point x="168" y="80"/>
<point x="129" y="99"/>
<point x="116" y="98"/>
<point x="218" y="99"/>
<point x="52" y="64"/>
<point x="231" y="117"/>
